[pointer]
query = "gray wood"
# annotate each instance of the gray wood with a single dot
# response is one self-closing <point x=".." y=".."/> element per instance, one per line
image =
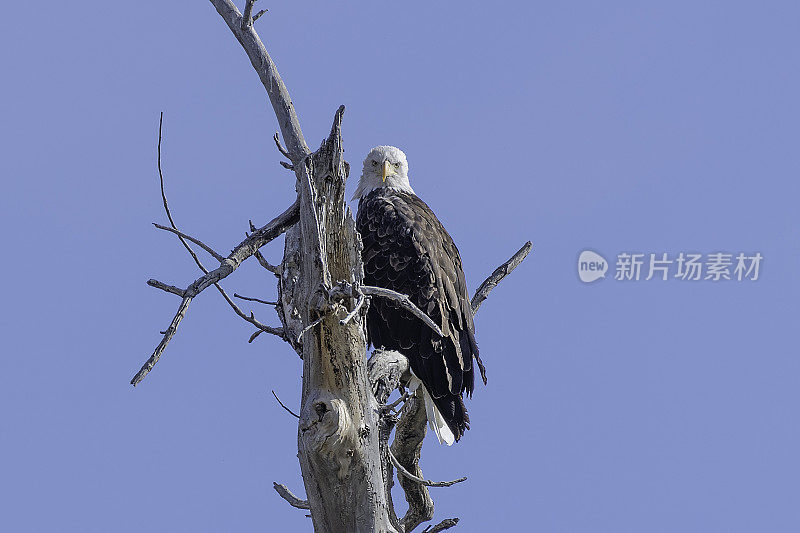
<point x="344" y="423"/>
<point x="337" y="436"/>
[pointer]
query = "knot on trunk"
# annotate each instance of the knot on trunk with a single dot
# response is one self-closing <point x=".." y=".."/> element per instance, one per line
<point x="328" y="432"/>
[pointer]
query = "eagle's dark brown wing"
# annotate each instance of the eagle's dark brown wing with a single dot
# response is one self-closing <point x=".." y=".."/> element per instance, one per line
<point x="407" y="249"/>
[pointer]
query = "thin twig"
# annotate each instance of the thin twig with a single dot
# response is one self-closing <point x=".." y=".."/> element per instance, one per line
<point x="198" y="242"/>
<point x="447" y="523"/>
<point x="250" y="318"/>
<point x="222" y="260"/>
<point x="164" y="287"/>
<point x="401" y="469"/>
<point x="183" y="238"/>
<point x="287" y="495"/>
<point x="497" y="276"/>
<point x="281" y="149"/>
<point x="164" y="198"/>
<point x="266" y="264"/>
<point x="352" y="313"/>
<point x="235" y="295"/>
<point x="405" y="302"/>
<point x="258" y="15"/>
<point x="282" y="405"/>
<point x="261" y="260"/>
<point x="244" y="250"/>
<point x="308" y="327"/>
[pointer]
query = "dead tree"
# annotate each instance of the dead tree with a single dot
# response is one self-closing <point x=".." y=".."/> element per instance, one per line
<point x="344" y="422"/>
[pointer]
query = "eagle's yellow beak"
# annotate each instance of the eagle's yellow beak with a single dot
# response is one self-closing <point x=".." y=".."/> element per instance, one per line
<point x="385" y="170"/>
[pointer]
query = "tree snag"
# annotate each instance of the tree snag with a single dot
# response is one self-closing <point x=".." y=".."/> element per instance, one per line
<point x="344" y="424"/>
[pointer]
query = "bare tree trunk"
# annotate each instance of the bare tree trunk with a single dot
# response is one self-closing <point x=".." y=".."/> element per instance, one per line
<point x="337" y="435"/>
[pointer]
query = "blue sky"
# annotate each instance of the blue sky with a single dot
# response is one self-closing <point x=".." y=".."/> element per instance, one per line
<point x="617" y="127"/>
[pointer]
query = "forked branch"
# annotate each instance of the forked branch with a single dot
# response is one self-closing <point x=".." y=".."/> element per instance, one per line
<point x="245" y="249"/>
<point x="247" y="18"/>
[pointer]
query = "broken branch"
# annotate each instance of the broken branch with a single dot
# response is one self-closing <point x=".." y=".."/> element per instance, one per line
<point x="198" y="242"/>
<point x="253" y="299"/>
<point x="258" y="15"/>
<point x="281" y="149"/>
<point x="447" y="523"/>
<point x="287" y="495"/>
<point x="164" y="287"/>
<point x="308" y="327"/>
<point x="168" y="334"/>
<point x="497" y="276"/>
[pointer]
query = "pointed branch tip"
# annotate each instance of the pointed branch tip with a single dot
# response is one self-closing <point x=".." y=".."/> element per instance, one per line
<point x="287" y="409"/>
<point x="408" y="475"/>
<point x="497" y="276"/>
<point x="287" y="495"/>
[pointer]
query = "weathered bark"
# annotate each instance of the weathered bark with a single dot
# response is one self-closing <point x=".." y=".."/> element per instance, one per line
<point x="407" y="448"/>
<point x="387" y="369"/>
<point x="338" y="431"/>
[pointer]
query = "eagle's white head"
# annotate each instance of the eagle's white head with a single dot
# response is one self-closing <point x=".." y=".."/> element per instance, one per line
<point x="385" y="166"/>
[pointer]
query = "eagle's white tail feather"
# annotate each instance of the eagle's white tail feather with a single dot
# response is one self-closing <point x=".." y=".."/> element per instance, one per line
<point x="435" y="419"/>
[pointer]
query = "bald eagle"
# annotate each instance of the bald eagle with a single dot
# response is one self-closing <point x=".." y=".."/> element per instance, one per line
<point x="407" y="250"/>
